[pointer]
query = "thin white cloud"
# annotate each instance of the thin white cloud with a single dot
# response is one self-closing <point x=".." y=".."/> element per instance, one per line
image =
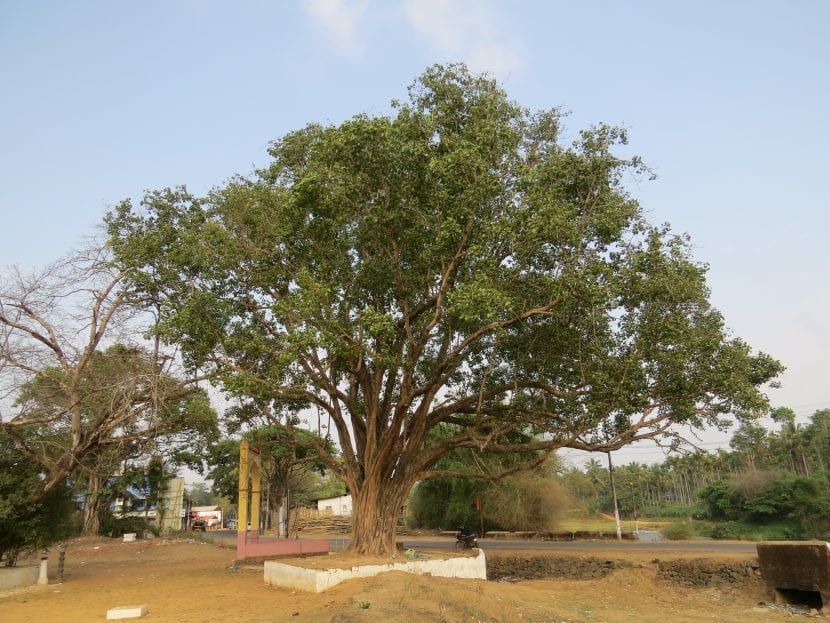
<point x="467" y="30"/>
<point x="341" y="20"/>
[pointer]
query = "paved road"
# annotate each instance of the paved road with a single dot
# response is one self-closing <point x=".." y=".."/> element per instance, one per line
<point x="701" y="547"/>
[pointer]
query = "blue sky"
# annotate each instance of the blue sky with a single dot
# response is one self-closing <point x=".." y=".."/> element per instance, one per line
<point x="727" y="100"/>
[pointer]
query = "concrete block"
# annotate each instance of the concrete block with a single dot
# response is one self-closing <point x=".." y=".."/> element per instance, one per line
<point x="126" y="612"/>
<point x="793" y="568"/>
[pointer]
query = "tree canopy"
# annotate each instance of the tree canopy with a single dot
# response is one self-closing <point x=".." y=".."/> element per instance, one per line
<point x="77" y="402"/>
<point x="284" y="462"/>
<point x="455" y="263"/>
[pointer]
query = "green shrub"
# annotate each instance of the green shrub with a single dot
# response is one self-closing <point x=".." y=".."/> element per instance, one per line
<point x="784" y="530"/>
<point x="674" y="511"/>
<point x="27" y="524"/>
<point x="721" y="500"/>
<point x="679" y="531"/>
<point x="728" y="530"/>
<point x="766" y="496"/>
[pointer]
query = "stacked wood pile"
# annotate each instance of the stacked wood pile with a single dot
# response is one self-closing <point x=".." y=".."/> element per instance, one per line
<point x="313" y="520"/>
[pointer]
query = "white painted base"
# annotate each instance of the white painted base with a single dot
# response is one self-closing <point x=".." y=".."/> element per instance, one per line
<point x="43" y="577"/>
<point x="318" y="580"/>
<point x="126" y="612"/>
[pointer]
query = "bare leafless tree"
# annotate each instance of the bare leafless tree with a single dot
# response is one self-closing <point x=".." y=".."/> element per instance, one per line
<point x="75" y="380"/>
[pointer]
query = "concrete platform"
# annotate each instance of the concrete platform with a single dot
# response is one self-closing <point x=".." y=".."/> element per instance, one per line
<point x="797" y="571"/>
<point x="126" y="612"/>
<point x="318" y="580"/>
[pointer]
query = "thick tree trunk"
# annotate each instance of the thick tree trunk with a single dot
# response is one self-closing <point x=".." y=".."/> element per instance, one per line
<point x="92" y="510"/>
<point x="375" y="517"/>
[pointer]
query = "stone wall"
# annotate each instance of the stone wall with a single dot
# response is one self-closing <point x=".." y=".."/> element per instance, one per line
<point x="704" y="572"/>
<point x="539" y="567"/>
<point x="696" y="572"/>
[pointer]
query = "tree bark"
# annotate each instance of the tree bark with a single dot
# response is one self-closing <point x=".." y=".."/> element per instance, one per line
<point x="92" y="510"/>
<point x="375" y="517"/>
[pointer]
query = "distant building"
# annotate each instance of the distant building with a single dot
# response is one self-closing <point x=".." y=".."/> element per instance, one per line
<point x="340" y="505"/>
<point x="211" y="515"/>
<point x="167" y="515"/>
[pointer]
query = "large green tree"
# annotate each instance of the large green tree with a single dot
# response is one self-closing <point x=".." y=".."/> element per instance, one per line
<point x="453" y="262"/>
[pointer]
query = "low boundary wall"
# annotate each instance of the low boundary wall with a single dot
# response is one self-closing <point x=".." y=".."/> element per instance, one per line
<point x="12" y="577"/>
<point x="251" y="546"/>
<point x="318" y="580"/>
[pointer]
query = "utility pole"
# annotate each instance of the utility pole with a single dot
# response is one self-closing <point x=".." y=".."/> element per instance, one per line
<point x="614" y="496"/>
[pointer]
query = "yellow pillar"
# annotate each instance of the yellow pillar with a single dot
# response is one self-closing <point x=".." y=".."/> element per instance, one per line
<point x="242" y="514"/>
<point x="255" y="494"/>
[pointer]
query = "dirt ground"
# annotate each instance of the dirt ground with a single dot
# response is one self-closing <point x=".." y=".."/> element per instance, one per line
<point x="186" y="580"/>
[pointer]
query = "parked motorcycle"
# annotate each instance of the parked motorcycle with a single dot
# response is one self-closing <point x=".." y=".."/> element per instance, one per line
<point x="465" y="541"/>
